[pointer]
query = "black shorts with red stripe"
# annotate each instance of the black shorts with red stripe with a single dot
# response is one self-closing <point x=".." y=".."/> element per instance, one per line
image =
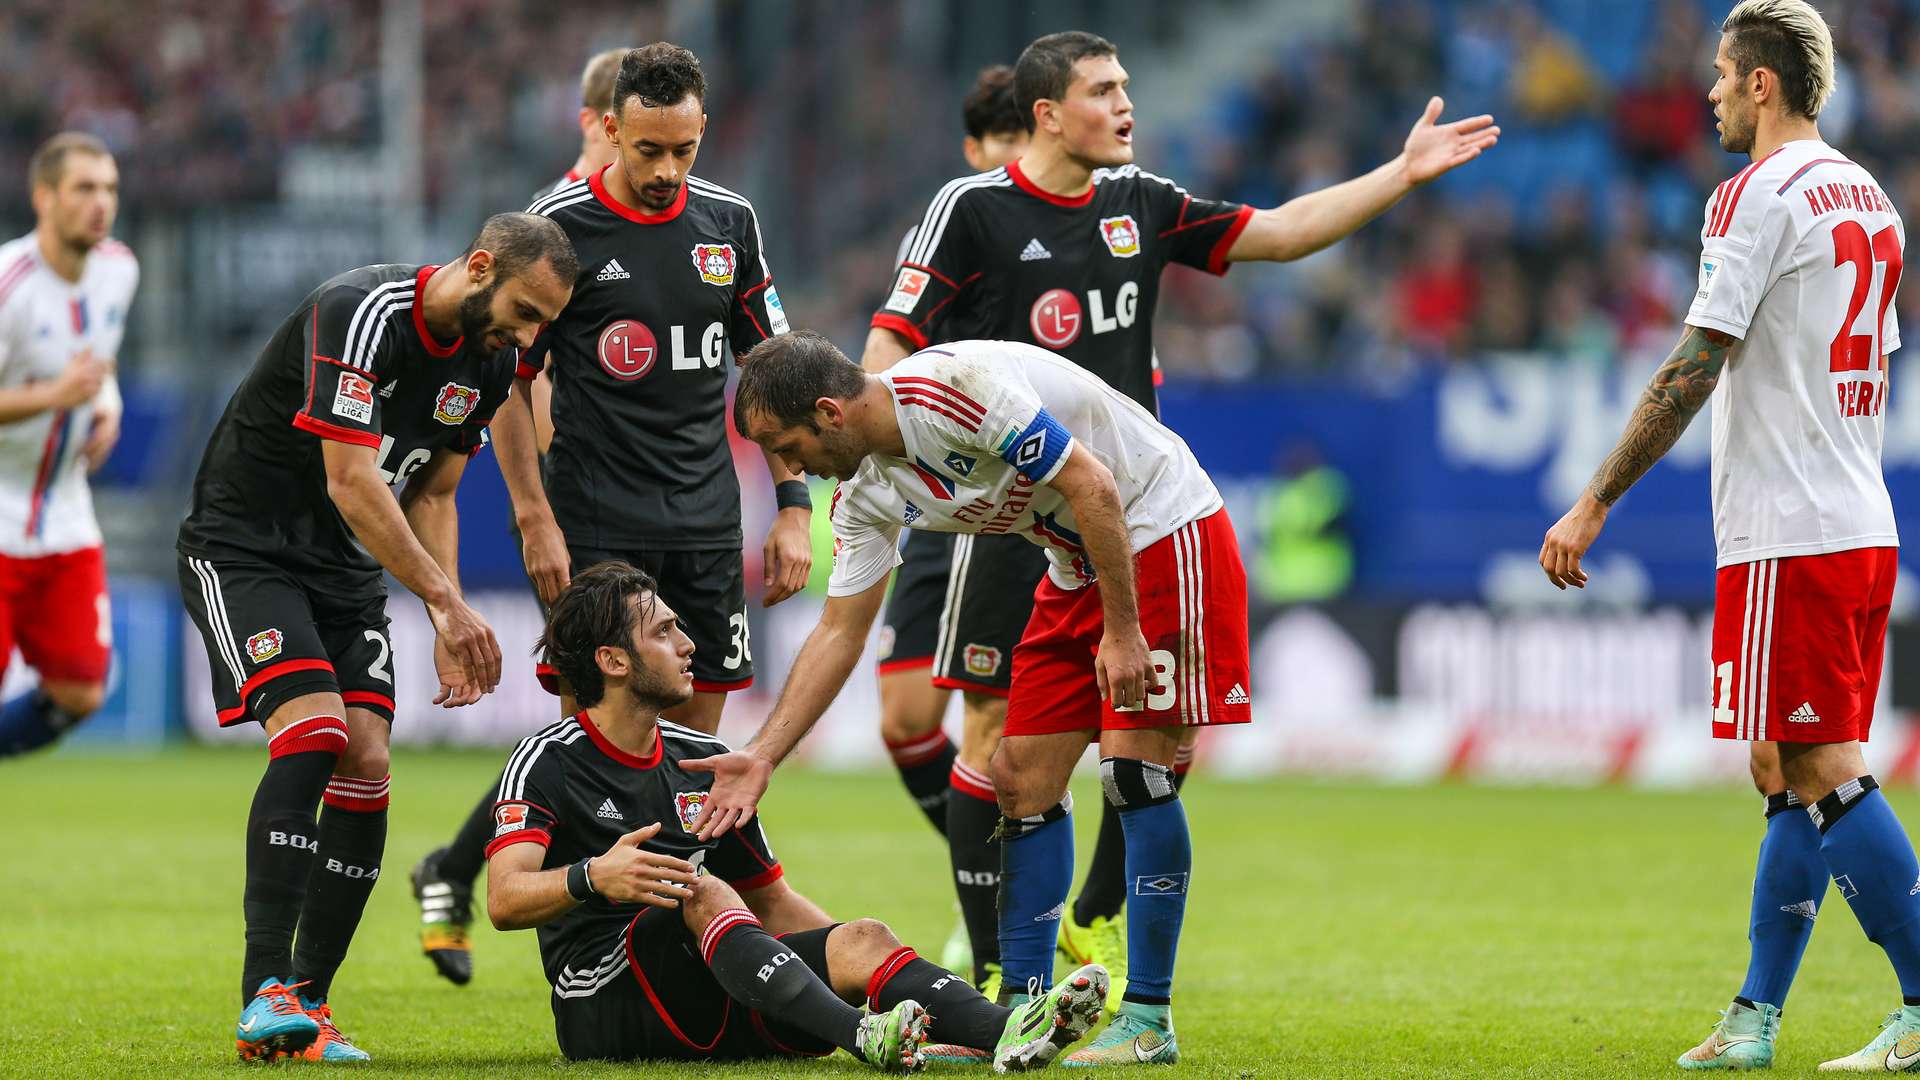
<point x="273" y="634"/>
<point x="708" y="590"/>
<point x="645" y="992"/>
<point x="910" y="629"/>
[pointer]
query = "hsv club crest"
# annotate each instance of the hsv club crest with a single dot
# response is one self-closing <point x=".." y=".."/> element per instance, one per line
<point x="715" y="263"/>
<point x="1122" y="235"/>
<point x="455" y="404"/>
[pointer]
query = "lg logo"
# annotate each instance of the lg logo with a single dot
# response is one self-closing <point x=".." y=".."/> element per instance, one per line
<point x="1056" y="318"/>
<point x="628" y="349"/>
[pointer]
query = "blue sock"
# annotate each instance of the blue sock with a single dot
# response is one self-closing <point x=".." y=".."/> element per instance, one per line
<point x="29" y="722"/>
<point x="1788" y="885"/>
<point x="1159" y="861"/>
<point x="1036" y="872"/>
<point x="1874" y="867"/>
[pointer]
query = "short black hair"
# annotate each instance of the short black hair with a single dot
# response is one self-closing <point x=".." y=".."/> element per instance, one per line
<point x="520" y="242"/>
<point x="1045" y="68"/>
<point x="784" y="375"/>
<point x="594" y="609"/>
<point x="660" y="74"/>
<point x="989" y="108"/>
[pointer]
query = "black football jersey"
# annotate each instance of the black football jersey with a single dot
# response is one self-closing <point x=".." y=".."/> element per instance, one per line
<point x="997" y="257"/>
<point x="640" y="364"/>
<point x="354" y="363"/>
<point x="570" y="790"/>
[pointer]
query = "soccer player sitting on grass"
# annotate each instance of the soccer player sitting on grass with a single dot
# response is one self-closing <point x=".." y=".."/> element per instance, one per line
<point x="661" y="945"/>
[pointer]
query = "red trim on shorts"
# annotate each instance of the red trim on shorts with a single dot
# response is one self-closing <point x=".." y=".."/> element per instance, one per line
<point x="367" y="697"/>
<point x="945" y="683"/>
<point x="335" y="432"/>
<point x="886" y="320"/>
<point x="760" y="880"/>
<point x="640" y="976"/>
<point x="883" y="974"/>
<point x="519" y="836"/>
<point x="902" y="663"/>
<point x="617" y="754"/>
<point x="274" y="671"/>
<point x="704" y="686"/>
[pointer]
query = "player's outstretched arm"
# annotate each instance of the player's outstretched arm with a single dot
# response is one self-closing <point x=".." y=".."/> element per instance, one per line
<point x="1677" y="392"/>
<point x="516" y="447"/>
<point x="787" y="558"/>
<point x="1299" y="227"/>
<point x="1120" y="667"/>
<point x="520" y="895"/>
<point x="740" y="777"/>
<point x="885" y="348"/>
<point x="361" y="494"/>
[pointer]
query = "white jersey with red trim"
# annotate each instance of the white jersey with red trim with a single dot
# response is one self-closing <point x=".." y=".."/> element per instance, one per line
<point x="46" y="506"/>
<point x="987" y="426"/>
<point x="1801" y="259"/>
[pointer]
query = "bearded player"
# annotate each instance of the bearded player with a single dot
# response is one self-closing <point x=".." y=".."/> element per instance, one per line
<point x="64" y="292"/>
<point x="1788" y="335"/>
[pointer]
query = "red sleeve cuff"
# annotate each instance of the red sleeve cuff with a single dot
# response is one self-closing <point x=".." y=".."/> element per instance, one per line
<point x="1217" y="260"/>
<point x="758" y="881"/>
<point x="902" y="327"/>
<point x="519" y="836"/>
<point x="335" y="431"/>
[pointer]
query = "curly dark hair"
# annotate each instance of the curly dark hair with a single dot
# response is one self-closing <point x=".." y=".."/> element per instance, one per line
<point x="660" y="74"/>
<point x="594" y="610"/>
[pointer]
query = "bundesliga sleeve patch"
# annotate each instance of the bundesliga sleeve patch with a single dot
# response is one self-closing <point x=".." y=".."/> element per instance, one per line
<point x="776" y="314"/>
<point x="353" y="400"/>
<point x="1709" y="266"/>
<point x="907" y="289"/>
<point x="509" y="817"/>
<point x="1037" y="451"/>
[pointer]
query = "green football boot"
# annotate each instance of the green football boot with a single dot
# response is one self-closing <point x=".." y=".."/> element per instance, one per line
<point x="1743" y="1039"/>
<point x="1895" y="1049"/>
<point x="1102" y="941"/>
<point x="1045" y="1024"/>
<point x="891" y="1041"/>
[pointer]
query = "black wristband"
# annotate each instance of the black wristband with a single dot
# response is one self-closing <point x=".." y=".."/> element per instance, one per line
<point x="792" y="494"/>
<point x="579" y="885"/>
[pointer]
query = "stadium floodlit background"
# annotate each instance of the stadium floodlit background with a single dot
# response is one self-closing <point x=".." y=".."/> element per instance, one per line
<point x="1395" y="422"/>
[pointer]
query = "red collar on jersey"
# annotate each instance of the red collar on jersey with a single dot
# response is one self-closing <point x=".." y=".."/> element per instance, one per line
<point x="640" y="216"/>
<point x="420" y="315"/>
<point x="1020" y="180"/>
<point x="617" y="754"/>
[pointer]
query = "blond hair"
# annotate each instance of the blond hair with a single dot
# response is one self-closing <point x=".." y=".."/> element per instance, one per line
<point x="596" y="82"/>
<point x="1789" y="38"/>
<point x="48" y="165"/>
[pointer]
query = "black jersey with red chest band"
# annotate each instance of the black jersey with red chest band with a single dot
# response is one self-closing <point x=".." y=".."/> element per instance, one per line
<point x="640" y="457"/>
<point x="569" y="789"/>
<point x="354" y="363"/>
<point x="997" y="257"/>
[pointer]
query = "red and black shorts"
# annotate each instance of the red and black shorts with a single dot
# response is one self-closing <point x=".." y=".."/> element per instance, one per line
<point x="989" y="601"/>
<point x="1798" y="644"/>
<point x="1192" y="594"/>
<point x="272" y="635"/>
<point x="649" y="994"/>
<point x="708" y="590"/>
<point x="910" y="629"/>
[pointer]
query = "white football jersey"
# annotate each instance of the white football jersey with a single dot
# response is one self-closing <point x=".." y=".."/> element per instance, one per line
<point x="1800" y="260"/>
<point x="46" y="506"/>
<point x="987" y="425"/>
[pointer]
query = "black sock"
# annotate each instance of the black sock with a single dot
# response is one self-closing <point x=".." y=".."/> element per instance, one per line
<point x="353" y="836"/>
<point x="956" y="1011"/>
<point x="924" y="764"/>
<point x="770" y="978"/>
<point x="460" y="863"/>
<point x="281" y="840"/>
<point x="1104" y="892"/>
<point x="972" y="818"/>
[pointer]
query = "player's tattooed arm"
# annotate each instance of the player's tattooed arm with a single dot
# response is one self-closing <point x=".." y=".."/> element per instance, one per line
<point x="1672" y="398"/>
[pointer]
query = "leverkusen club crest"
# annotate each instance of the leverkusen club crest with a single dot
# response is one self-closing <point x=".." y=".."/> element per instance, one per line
<point x="455" y="404"/>
<point x="1121" y="234"/>
<point x="265" y="645"/>
<point x="687" y="804"/>
<point x="715" y="263"/>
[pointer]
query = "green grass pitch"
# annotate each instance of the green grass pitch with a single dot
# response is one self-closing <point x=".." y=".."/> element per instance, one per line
<point x="1333" y="931"/>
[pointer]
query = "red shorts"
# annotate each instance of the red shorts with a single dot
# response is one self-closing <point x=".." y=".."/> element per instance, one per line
<point x="1193" y="613"/>
<point x="54" y="608"/>
<point x="1798" y="643"/>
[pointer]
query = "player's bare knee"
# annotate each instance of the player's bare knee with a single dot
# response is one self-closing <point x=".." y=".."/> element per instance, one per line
<point x="365" y="759"/>
<point x="707" y="897"/>
<point x="1763" y="764"/>
<point x="78" y="700"/>
<point x="869" y="940"/>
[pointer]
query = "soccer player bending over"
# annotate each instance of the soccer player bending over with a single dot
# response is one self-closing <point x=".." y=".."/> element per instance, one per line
<point x="660" y="944"/>
<point x="1788" y="335"/>
<point x="1139" y="628"/>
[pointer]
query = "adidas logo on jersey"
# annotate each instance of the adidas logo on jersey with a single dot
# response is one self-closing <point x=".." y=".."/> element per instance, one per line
<point x="613" y="271"/>
<point x="608" y="810"/>
<point x="1034" y="251"/>
<point x="1237" y="695"/>
<point x="1806" y="909"/>
<point x="1804" y="715"/>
